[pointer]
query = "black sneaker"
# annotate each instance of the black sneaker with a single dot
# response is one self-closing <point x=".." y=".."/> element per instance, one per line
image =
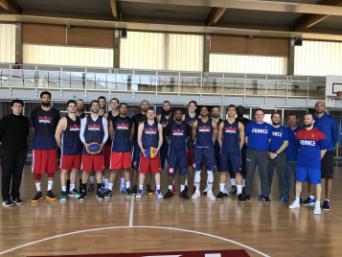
<point x="309" y="201"/>
<point x="264" y="198"/>
<point x="18" y="201"/>
<point x="220" y="195"/>
<point x="68" y="185"/>
<point x="63" y="196"/>
<point x="107" y="193"/>
<point x="149" y="189"/>
<point x="243" y="197"/>
<point x="168" y="194"/>
<point x="91" y="187"/>
<point x="83" y="194"/>
<point x="184" y="194"/>
<point x="233" y="190"/>
<point x="50" y="196"/>
<point x="37" y="197"/>
<point x="128" y="191"/>
<point x="326" y="205"/>
<point x="99" y="194"/>
<point x="134" y="190"/>
<point x="7" y="203"/>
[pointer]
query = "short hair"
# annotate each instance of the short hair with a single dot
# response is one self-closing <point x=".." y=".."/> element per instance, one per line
<point x="45" y="93"/>
<point x="71" y="102"/>
<point x="213" y="107"/>
<point x="101" y="97"/>
<point x="259" y="109"/>
<point x="17" y="101"/>
<point x="193" y="102"/>
<point x="80" y="99"/>
<point x="150" y="109"/>
<point x="94" y="101"/>
<point x="309" y="113"/>
<point x="204" y="107"/>
<point x="178" y="110"/>
<point x="231" y="106"/>
<point x="144" y="101"/>
<point x="275" y="113"/>
<point x="122" y="104"/>
<point x="166" y="102"/>
<point x="115" y="99"/>
<point x="292" y="114"/>
<point x="320" y="102"/>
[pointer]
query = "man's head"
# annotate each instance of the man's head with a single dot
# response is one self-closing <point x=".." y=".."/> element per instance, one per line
<point x="178" y="114"/>
<point x="144" y="105"/>
<point x="166" y="107"/>
<point x="276" y="118"/>
<point x="292" y="120"/>
<point x="17" y="106"/>
<point x="102" y="102"/>
<point x="150" y="114"/>
<point x="320" y="107"/>
<point x="309" y="120"/>
<point x="240" y="110"/>
<point x="259" y="115"/>
<point x="94" y="106"/>
<point x="192" y="106"/>
<point x="80" y="105"/>
<point x="72" y="106"/>
<point x="123" y="109"/>
<point x="231" y="111"/>
<point x="215" y="112"/>
<point x="114" y="103"/>
<point x="45" y="98"/>
<point x="204" y="111"/>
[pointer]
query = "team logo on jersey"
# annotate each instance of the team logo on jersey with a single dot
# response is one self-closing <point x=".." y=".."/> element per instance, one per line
<point x="306" y="142"/>
<point x="94" y="127"/>
<point x="74" y="127"/>
<point x="45" y="120"/>
<point x="178" y="132"/>
<point x="122" y="126"/>
<point x="259" y="131"/>
<point x="204" y="129"/>
<point x="150" y="131"/>
<point x="277" y="133"/>
<point x="230" y="130"/>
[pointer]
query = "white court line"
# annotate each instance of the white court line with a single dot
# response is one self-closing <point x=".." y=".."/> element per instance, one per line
<point x="131" y="212"/>
<point x="134" y="227"/>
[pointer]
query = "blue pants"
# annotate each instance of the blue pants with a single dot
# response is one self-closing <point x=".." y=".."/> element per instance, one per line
<point x="178" y="161"/>
<point x="230" y="162"/>
<point x="205" y="156"/>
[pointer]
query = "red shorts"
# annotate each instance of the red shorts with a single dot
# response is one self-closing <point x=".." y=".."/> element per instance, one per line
<point x="70" y="161"/>
<point x="92" y="162"/>
<point x="190" y="156"/>
<point x="107" y="152"/>
<point x="149" y="165"/>
<point x="44" y="161"/>
<point x="120" y="160"/>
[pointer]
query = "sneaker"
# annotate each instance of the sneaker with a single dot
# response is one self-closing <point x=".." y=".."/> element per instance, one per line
<point x="309" y="201"/>
<point x="168" y="195"/>
<point x="7" y="203"/>
<point x="107" y="193"/>
<point x="220" y="195"/>
<point x="326" y="205"/>
<point x="37" y="197"/>
<point x="91" y="187"/>
<point x="196" y="195"/>
<point x="99" y="194"/>
<point x="264" y="198"/>
<point x="284" y="199"/>
<point x="184" y="194"/>
<point x="83" y="195"/>
<point x="140" y="193"/>
<point x="134" y="190"/>
<point x="243" y="197"/>
<point x="294" y="205"/>
<point x="159" y="194"/>
<point x="149" y="189"/>
<point x="123" y="190"/>
<point x="205" y="191"/>
<point x="317" y="209"/>
<point x="17" y="201"/>
<point x="233" y="190"/>
<point x="128" y="191"/>
<point x="50" y="196"/>
<point x="63" y="196"/>
<point x="211" y="195"/>
<point x="74" y="194"/>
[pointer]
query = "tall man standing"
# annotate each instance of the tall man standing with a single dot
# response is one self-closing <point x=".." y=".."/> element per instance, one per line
<point x="44" y="121"/>
<point x="14" y="130"/>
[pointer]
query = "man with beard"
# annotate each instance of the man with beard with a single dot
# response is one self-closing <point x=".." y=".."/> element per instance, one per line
<point x="277" y="155"/>
<point x="103" y="105"/>
<point x="312" y="148"/>
<point x="204" y="134"/>
<point x="44" y="121"/>
<point x="80" y="108"/>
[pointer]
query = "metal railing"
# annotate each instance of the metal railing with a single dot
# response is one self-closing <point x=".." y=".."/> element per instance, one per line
<point x="165" y="82"/>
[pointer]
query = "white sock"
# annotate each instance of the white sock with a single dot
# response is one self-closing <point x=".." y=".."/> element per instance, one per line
<point x="186" y="182"/>
<point x="122" y="182"/>
<point x="210" y="180"/>
<point x="239" y="189"/>
<point x="158" y="187"/>
<point x="182" y="187"/>
<point x="170" y="187"/>
<point x="222" y="187"/>
<point x="197" y="179"/>
<point x="72" y="187"/>
<point x="297" y="199"/>
<point x="141" y="187"/>
<point x="243" y="183"/>
<point x="312" y="197"/>
<point x="50" y="183"/>
<point x="232" y="182"/>
<point x="38" y="187"/>
<point x="63" y="188"/>
<point x="92" y="179"/>
<point x="318" y="203"/>
<point x="128" y="184"/>
<point x="110" y="186"/>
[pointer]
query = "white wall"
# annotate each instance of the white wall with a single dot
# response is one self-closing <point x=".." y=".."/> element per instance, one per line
<point x="7" y="43"/>
<point x="318" y="58"/>
<point x="231" y="63"/>
<point x="67" y="55"/>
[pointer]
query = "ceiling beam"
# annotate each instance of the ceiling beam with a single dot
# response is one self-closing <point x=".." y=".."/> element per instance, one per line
<point x="308" y="21"/>
<point x="10" y="5"/>
<point x="260" y="5"/>
<point x="114" y="8"/>
<point x="215" y="15"/>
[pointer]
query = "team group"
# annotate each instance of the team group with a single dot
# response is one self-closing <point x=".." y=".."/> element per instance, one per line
<point x="184" y="143"/>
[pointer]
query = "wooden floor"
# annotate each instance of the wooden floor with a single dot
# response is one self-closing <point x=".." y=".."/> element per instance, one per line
<point x="123" y="224"/>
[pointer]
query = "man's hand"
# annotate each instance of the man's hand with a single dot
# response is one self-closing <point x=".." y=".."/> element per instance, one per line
<point x="273" y="155"/>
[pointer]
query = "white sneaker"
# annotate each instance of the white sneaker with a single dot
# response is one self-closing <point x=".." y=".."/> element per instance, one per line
<point x="294" y="205"/>
<point x="211" y="195"/>
<point x="317" y="209"/>
<point x="196" y="195"/>
<point x="140" y="193"/>
<point x="159" y="194"/>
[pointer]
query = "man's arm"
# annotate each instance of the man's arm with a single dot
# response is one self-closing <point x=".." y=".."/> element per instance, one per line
<point x="139" y="139"/>
<point x="111" y="129"/>
<point x="194" y="127"/>
<point x="132" y="131"/>
<point x="160" y="141"/>
<point x="242" y="134"/>
<point x="61" y="126"/>
<point x="214" y="124"/>
<point x="158" y="118"/>
<point x="105" y="130"/>
<point x="220" y="133"/>
<point x="323" y="153"/>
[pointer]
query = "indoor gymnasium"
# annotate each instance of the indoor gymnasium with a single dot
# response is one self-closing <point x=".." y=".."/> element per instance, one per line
<point x="153" y="128"/>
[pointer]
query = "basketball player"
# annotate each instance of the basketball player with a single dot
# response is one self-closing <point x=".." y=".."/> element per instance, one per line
<point x="44" y="121"/>
<point x="278" y="159"/>
<point x="103" y="105"/>
<point x="177" y="134"/>
<point x="150" y="134"/>
<point x="204" y="134"/>
<point x="80" y="108"/>
<point x="231" y="136"/>
<point x="68" y="139"/>
<point x="94" y="129"/>
<point x="312" y="148"/>
<point x="258" y="134"/>
<point x="121" y="131"/>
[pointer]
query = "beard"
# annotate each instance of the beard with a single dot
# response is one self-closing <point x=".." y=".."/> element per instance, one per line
<point x="166" y="113"/>
<point x="46" y="104"/>
<point x="307" y="125"/>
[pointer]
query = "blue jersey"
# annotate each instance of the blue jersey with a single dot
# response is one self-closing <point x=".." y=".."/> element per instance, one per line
<point x="258" y="136"/>
<point x="122" y="131"/>
<point x="278" y="136"/>
<point x="178" y="136"/>
<point x="328" y="126"/>
<point x="292" y="149"/>
<point x="311" y="142"/>
<point x="44" y="124"/>
<point x="70" y="141"/>
<point x="94" y="131"/>
<point x="150" y="135"/>
<point x="204" y="134"/>
<point x="230" y="137"/>
<point x="190" y="120"/>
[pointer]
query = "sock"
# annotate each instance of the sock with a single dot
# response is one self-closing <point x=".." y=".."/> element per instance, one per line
<point x="92" y="179"/>
<point x="182" y="187"/>
<point x="170" y="187"/>
<point x="297" y="199"/>
<point x="186" y="182"/>
<point x="72" y="187"/>
<point x="317" y="203"/>
<point x="312" y="197"/>
<point x="63" y="188"/>
<point x="110" y="186"/>
<point x="122" y="182"/>
<point x="38" y="186"/>
<point x="222" y="187"/>
<point x="141" y="187"/>
<point x="128" y="184"/>
<point x="239" y="189"/>
<point x="50" y="183"/>
<point x="105" y="182"/>
<point x="158" y="187"/>
<point x="232" y="182"/>
<point x="210" y="180"/>
<point x="197" y="179"/>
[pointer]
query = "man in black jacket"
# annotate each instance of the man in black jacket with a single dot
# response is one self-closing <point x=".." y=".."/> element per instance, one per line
<point x="14" y="130"/>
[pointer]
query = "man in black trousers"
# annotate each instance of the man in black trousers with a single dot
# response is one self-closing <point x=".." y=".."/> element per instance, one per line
<point x="14" y="130"/>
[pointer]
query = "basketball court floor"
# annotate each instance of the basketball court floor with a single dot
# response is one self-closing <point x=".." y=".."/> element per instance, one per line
<point x="128" y="225"/>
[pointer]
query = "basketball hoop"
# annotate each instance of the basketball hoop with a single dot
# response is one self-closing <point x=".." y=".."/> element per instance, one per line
<point x="339" y="93"/>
